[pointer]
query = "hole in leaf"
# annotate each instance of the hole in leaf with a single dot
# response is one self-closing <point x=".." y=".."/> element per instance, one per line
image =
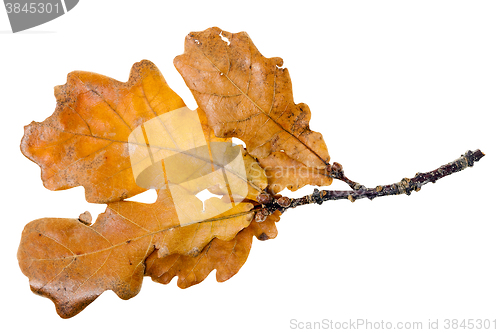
<point x="228" y="42"/>
<point x="237" y="141"/>
<point x="205" y="195"/>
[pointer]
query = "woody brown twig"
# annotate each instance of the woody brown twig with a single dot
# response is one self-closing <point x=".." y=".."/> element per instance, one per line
<point x="405" y="186"/>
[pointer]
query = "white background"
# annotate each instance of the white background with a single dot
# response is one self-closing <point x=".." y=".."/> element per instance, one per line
<point x="395" y="87"/>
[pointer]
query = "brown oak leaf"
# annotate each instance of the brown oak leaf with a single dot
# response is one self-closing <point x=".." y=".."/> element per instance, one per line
<point x="248" y="96"/>
<point x="72" y="263"/>
<point x="85" y="141"/>
<point x="227" y="257"/>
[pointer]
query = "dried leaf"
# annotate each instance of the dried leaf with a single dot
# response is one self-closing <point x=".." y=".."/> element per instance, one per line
<point x="73" y="263"/>
<point x="248" y="96"/>
<point x="227" y="257"/>
<point x="85" y="141"/>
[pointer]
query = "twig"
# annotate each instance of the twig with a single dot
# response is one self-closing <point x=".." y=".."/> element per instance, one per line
<point x="405" y="186"/>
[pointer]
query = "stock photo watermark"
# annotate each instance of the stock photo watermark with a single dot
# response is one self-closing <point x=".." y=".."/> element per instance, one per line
<point x="367" y="324"/>
<point x="24" y="14"/>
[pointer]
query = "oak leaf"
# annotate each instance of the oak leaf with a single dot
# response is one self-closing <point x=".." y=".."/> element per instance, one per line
<point x="85" y="141"/>
<point x="72" y="263"/>
<point x="227" y="257"/>
<point x="248" y="96"/>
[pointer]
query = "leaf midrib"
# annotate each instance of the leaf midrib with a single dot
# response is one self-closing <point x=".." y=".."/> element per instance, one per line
<point x="152" y="233"/>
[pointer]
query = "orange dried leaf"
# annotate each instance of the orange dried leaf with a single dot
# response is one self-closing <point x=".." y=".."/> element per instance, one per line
<point x="227" y="257"/>
<point x="248" y="96"/>
<point x="85" y="141"/>
<point x="72" y="263"/>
